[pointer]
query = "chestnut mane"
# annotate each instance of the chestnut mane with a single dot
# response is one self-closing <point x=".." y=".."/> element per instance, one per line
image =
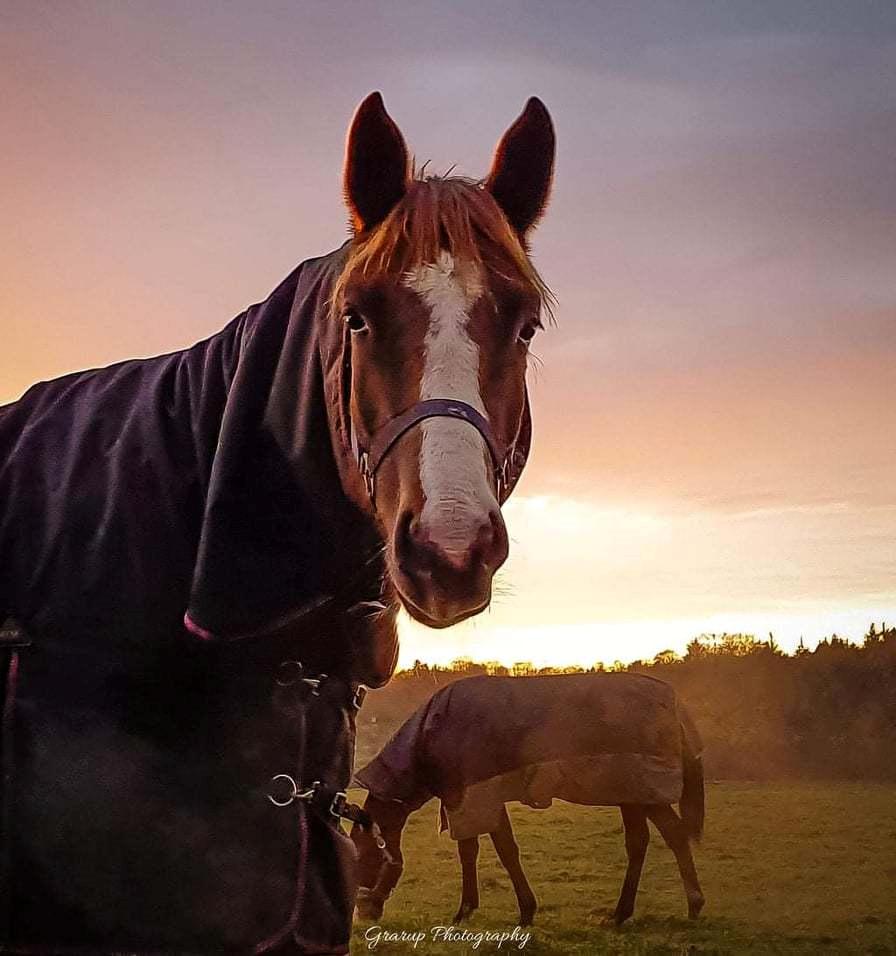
<point x="436" y="214"/>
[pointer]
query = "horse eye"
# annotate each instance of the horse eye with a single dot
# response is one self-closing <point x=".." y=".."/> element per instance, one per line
<point x="355" y="321"/>
<point x="527" y="333"/>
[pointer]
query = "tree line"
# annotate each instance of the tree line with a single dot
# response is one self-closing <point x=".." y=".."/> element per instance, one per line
<point x="763" y="714"/>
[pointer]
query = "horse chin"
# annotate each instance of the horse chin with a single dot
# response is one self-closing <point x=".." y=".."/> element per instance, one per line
<point x="446" y="615"/>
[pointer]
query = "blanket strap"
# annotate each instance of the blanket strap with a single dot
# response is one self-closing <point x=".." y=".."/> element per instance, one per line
<point x="12" y="640"/>
<point x="323" y="801"/>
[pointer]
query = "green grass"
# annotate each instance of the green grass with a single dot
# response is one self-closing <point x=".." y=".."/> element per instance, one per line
<point x="785" y="868"/>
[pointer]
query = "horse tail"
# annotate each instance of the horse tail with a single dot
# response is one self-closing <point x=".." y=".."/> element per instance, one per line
<point x="692" y="803"/>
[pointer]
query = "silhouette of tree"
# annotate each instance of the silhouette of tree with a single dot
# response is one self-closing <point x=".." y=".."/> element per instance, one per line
<point x="522" y="669"/>
<point x="664" y="658"/>
<point x="829" y="712"/>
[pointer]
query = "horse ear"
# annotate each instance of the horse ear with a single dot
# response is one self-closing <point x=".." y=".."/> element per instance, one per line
<point x="376" y="165"/>
<point x="523" y="166"/>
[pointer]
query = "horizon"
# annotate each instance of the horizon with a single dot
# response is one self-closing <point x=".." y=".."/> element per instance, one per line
<point x="708" y="639"/>
<point x="713" y="416"/>
<point x="623" y="642"/>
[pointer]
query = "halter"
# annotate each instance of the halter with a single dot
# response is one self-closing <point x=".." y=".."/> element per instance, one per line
<point x="388" y="874"/>
<point x="507" y="465"/>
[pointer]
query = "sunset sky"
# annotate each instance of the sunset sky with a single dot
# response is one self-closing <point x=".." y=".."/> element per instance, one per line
<point x="715" y="411"/>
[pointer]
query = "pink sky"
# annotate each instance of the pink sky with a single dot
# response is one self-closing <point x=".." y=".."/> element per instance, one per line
<point x="715" y="414"/>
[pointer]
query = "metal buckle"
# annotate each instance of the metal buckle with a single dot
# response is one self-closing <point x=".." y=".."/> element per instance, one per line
<point x="305" y="796"/>
<point x="359" y="696"/>
<point x="338" y="803"/>
<point x="288" y="672"/>
<point x="377" y="835"/>
<point x="293" y="796"/>
<point x="313" y="683"/>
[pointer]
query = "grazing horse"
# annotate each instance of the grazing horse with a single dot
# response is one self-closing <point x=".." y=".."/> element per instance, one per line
<point x="190" y="543"/>
<point x="481" y="742"/>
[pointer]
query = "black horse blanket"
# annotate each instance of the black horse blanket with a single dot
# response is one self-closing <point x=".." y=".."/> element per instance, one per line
<point x="589" y="738"/>
<point x="203" y="481"/>
<point x="173" y="530"/>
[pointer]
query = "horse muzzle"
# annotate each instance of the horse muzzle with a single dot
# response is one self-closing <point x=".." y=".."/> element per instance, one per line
<point x="369" y="905"/>
<point x="444" y="577"/>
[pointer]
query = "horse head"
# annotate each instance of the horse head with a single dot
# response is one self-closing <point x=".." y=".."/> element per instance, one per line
<point x="378" y="846"/>
<point x="439" y="303"/>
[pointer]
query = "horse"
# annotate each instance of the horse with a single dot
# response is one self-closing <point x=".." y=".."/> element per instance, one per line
<point x="202" y="556"/>
<point x="592" y="739"/>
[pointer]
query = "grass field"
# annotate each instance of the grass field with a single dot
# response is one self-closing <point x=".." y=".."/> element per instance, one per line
<point x="785" y="868"/>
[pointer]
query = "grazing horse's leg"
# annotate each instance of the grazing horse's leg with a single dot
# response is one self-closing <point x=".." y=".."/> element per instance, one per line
<point x="637" y="837"/>
<point x="468" y="851"/>
<point x="509" y="855"/>
<point x="675" y="834"/>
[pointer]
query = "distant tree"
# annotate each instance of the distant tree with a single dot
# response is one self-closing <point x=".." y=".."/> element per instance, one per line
<point x="730" y="645"/>
<point x="739" y="645"/>
<point x="877" y="637"/>
<point x="830" y="712"/>
<point x="496" y="669"/>
<point x="665" y="657"/>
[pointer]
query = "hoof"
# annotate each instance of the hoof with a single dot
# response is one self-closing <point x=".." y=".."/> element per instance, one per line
<point x="528" y="908"/>
<point x="694" y="907"/>
<point x="464" y="913"/>
<point x="620" y="916"/>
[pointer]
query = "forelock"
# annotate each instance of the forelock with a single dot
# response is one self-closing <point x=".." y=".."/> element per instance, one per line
<point x="436" y="216"/>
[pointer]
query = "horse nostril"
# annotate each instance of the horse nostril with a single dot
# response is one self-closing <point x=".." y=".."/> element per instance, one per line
<point x="484" y="549"/>
<point x="405" y="527"/>
<point x="413" y="549"/>
<point x="491" y="547"/>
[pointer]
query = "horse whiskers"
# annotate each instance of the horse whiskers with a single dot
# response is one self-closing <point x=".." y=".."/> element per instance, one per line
<point x="383" y="606"/>
<point x="502" y="588"/>
<point x="374" y="607"/>
<point x="534" y="362"/>
<point x="373" y="610"/>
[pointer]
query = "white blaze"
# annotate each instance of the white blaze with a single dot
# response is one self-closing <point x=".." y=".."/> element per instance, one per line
<point x="453" y="473"/>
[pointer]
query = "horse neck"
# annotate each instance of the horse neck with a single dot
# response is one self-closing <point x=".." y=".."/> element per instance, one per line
<point x="418" y="784"/>
<point x="202" y="379"/>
